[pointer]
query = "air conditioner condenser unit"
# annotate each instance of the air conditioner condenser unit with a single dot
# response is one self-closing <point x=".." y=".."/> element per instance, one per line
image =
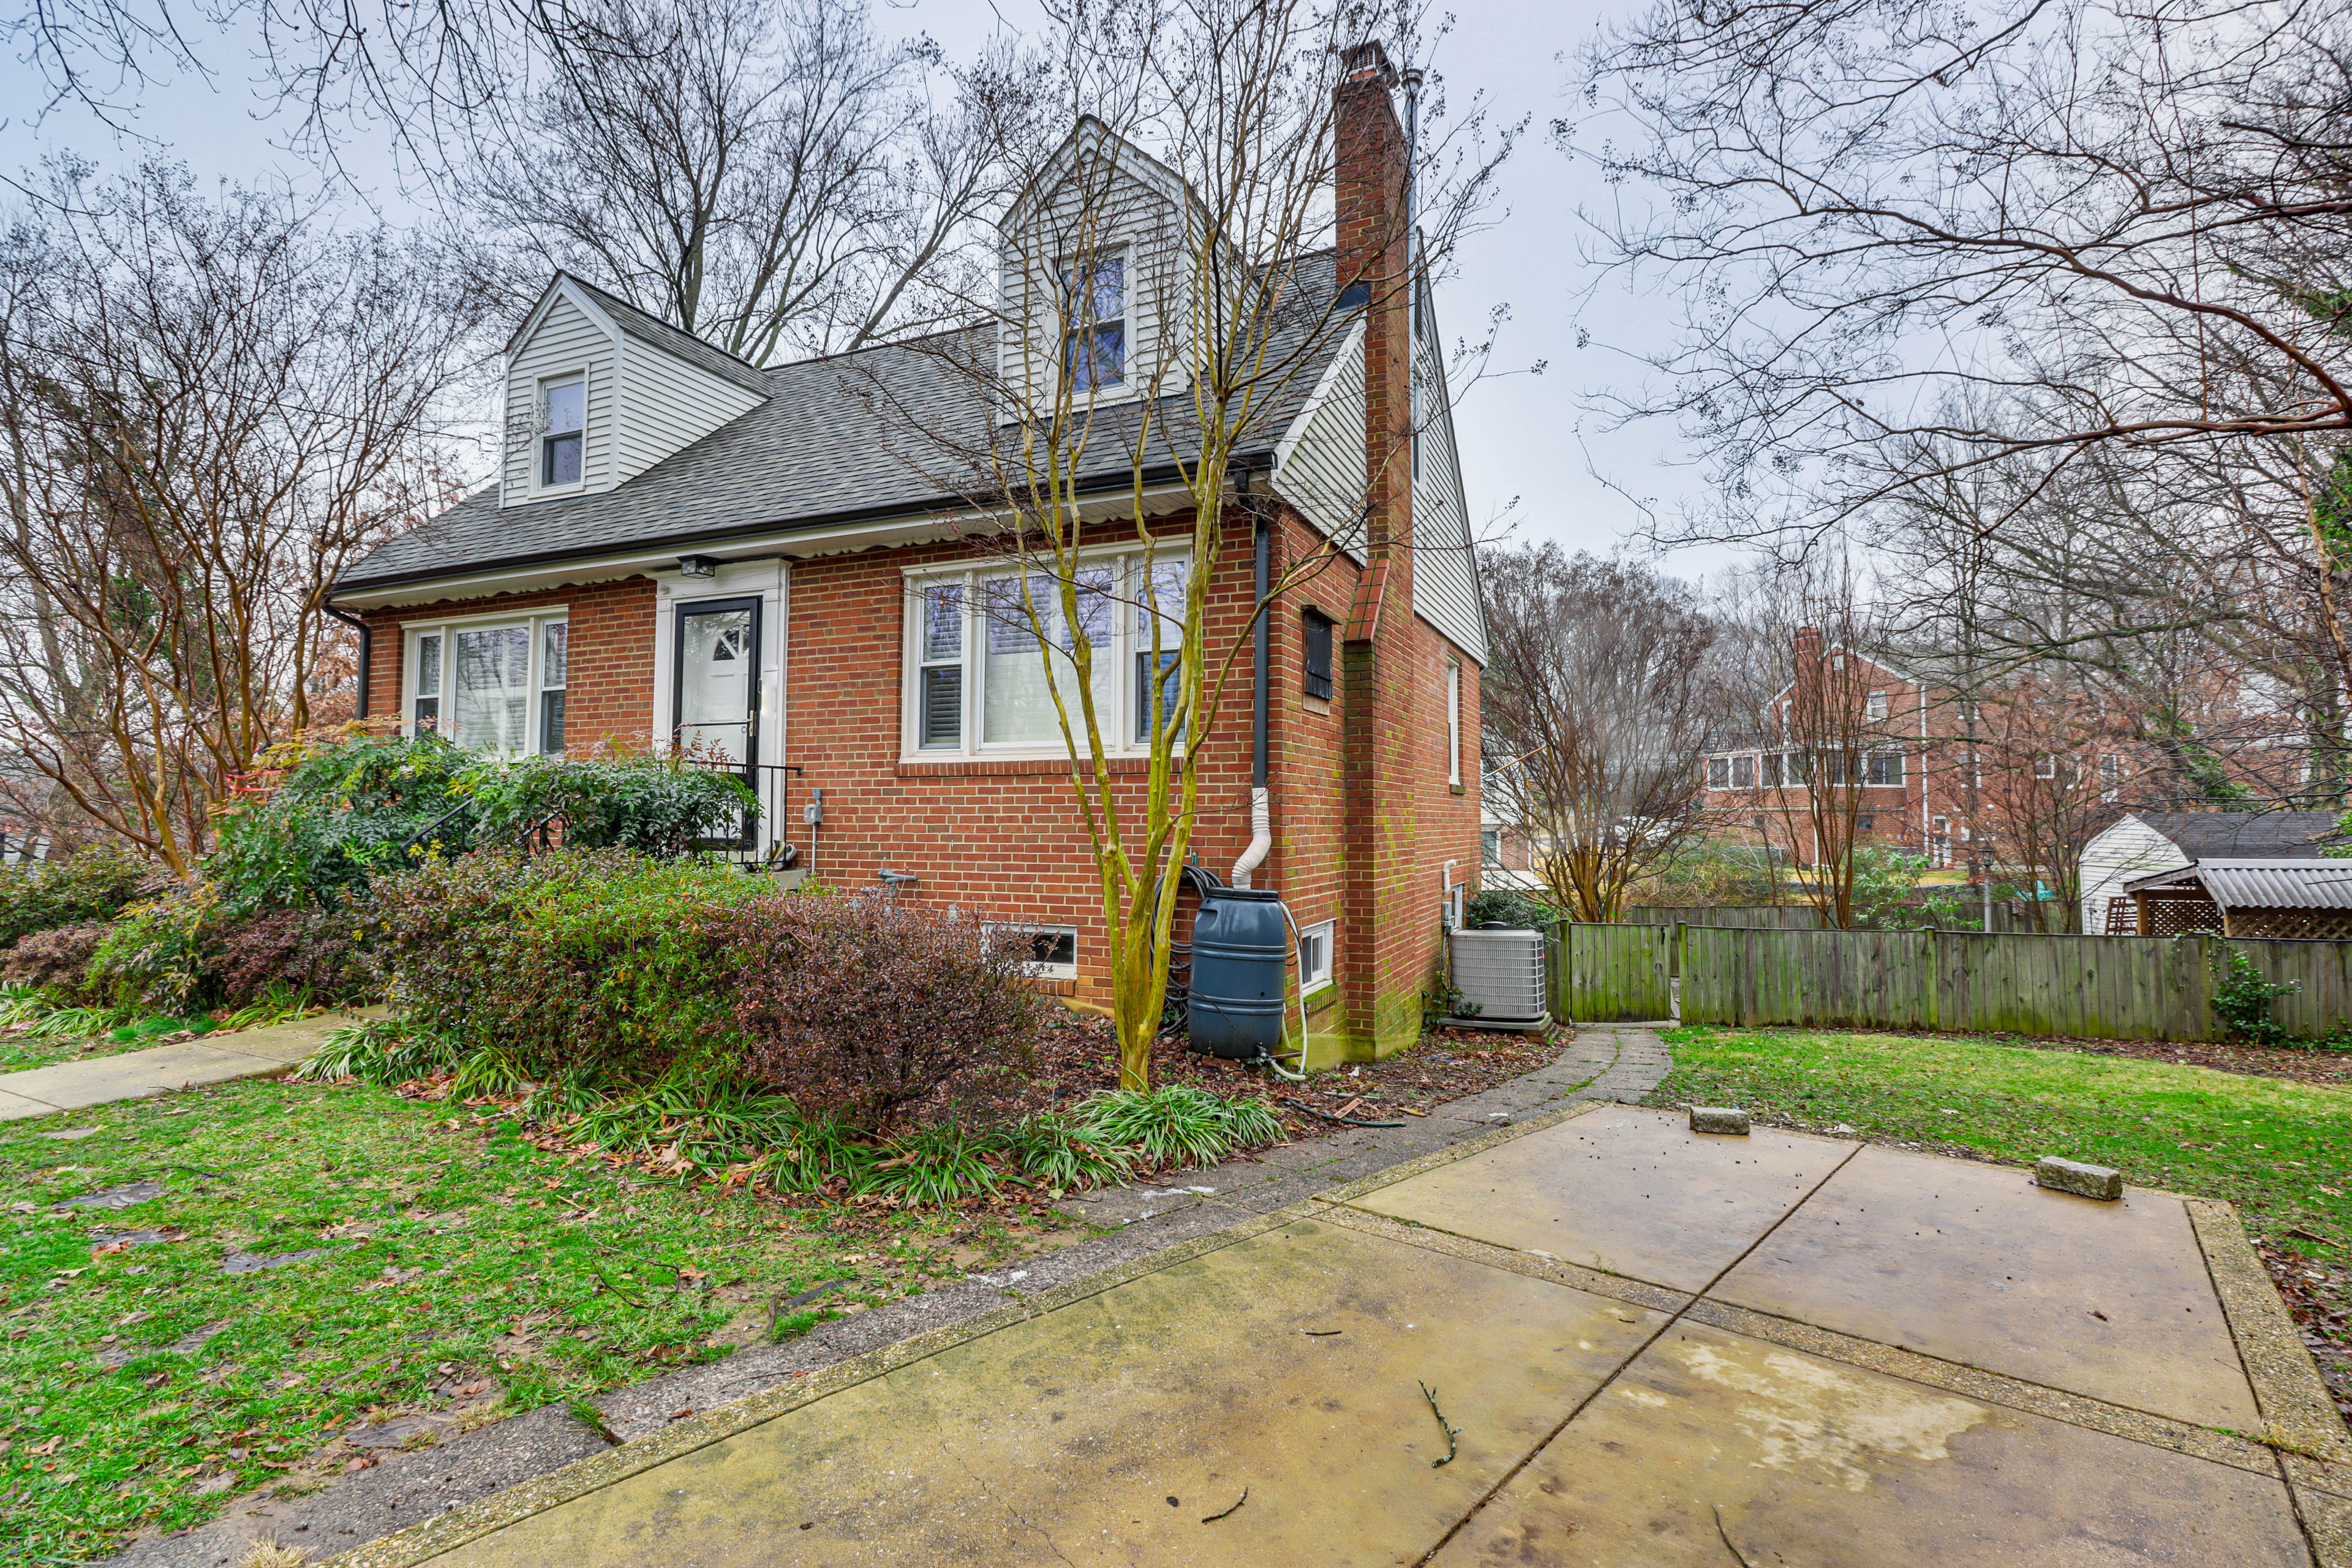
<point x="1501" y="972"/>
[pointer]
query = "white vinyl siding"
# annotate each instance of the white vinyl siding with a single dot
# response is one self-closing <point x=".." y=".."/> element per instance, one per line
<point x="1137" y="215"/>
<point x="1444" y="577"/>
<point x="2115" y="855"/>
<point x="1319" y="465"/>
<point x="667" y="405"/>
<point x="566" y="342"/>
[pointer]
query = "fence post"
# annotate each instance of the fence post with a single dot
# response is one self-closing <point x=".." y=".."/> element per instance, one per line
<point x="2200" y="994"/>
<point x="1559" y="975"/>
<point x="1935" y="987"/>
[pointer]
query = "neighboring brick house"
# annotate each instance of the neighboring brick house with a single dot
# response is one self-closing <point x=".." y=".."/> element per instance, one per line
<point x="683" y="548"/>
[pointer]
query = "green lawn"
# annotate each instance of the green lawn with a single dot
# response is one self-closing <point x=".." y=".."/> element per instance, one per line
<point x="2281" y="1151"/>
<point x="466" y="1268"/>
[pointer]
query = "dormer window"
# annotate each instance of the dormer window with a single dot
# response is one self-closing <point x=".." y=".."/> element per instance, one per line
<point x="567" y="415"/>
<point x="1094" y="348"/>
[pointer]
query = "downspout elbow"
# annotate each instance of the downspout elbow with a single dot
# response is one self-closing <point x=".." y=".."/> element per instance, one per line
<point x="1261" y="842"/>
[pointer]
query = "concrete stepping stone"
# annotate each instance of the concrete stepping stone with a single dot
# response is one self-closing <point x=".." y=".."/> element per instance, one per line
<point x="253" y="1262"/>
<point x="121" y="1198"/>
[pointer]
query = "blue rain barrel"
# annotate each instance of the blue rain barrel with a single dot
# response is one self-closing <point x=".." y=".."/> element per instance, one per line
<point x="1241" y="953"/>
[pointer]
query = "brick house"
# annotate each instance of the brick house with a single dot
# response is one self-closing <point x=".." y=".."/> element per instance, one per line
<point x="684" y="549"/>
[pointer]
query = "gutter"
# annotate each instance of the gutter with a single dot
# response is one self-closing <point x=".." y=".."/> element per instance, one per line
<point x="367" y="651"/>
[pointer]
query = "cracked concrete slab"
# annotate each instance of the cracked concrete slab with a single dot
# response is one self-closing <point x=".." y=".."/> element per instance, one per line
<point x="1064" y="1438"/>
<point x="1714" y="1448"/>
<point x="1976" y="1264"/>
<point x="1629" y="1191"/>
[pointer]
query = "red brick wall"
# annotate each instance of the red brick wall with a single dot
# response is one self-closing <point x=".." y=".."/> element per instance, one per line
<point x="609" y="664"/>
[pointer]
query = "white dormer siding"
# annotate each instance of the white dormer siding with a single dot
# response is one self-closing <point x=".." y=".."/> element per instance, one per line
<point x="645" y="398"/>
<point x="1319" y="463"/>
<point x="564" y="339"/>
<point x="667" y="405"/>
<point x="1100" y="199"/>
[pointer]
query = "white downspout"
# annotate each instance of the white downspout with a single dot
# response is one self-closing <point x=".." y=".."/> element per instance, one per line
<point x="1261" y="842"/>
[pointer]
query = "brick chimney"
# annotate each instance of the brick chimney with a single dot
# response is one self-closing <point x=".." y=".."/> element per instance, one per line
<point x="1385" y="917"/>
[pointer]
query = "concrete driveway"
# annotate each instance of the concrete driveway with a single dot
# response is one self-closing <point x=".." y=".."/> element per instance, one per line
<point x="1655" y="1347"/>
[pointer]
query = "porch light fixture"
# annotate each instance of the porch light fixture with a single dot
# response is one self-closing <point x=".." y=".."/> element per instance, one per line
<point x="703" y="566"/>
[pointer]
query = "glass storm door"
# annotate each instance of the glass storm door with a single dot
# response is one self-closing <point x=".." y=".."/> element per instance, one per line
<point x="717" y="696"/>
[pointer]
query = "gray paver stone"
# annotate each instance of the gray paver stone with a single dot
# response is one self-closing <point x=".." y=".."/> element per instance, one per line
<point x="2073" y="1176"/>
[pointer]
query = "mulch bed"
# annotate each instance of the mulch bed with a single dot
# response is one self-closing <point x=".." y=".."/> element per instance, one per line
<point x="1081" y="1056"/>
<point x="2320" y="1301"/>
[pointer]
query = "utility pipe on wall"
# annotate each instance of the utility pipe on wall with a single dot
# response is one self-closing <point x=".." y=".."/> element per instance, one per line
<point x="1261" y="842"/>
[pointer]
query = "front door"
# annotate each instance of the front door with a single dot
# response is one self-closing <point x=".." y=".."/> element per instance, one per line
<point x="717" y="696"/>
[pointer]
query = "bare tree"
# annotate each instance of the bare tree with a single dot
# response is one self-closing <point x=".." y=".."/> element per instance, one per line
<point x="1600" y="703"/>
<point x="1890" y="217"/>
<point x="768" y="174"/>
<point x="1164" y="301"/>
<point x="209" y="408"/>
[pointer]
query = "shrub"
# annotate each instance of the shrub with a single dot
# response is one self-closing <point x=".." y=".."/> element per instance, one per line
<point x="860" y="1005"/>
<point x="95" y="885"/>
<point x="152" y="957"/>
<point x="342" y="810"/>
<point x="2243" y="998"/>
<point x="598" y="960"/>
<point x="338" y="811"/>
<point x="609" y="800"/>
<point x="1507" y="906"/>
<point x="313" y="951"/>
<point x="57" y="961"/>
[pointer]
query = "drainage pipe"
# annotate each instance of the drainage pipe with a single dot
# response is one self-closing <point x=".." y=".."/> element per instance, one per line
<point x="1261" y="842"/>
<point x="367" y="646"/>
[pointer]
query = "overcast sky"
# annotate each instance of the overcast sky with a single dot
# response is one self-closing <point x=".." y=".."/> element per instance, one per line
<point x="1525" y="438"/>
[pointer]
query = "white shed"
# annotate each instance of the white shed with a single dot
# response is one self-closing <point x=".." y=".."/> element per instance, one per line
<point x="2146" y="842"/>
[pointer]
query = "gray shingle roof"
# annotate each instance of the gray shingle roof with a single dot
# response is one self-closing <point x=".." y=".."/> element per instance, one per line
<point x="652" y="328"/>
<point x="868" y="433"/>
<point x="2243" y="835"/>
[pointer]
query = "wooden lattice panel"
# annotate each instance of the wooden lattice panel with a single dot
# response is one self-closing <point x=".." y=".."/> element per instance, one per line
<point x="2299" y="925"/>
<point x="2122" y="920"/>
<point x="2178" y="917"/>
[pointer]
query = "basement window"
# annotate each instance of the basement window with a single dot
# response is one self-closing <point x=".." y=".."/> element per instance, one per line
<point x="1315" y="956"/>
<point x="1053" y="950"/>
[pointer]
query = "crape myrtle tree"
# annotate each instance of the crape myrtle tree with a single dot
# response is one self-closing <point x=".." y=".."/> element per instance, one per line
<point x="1160" y="310"/>
<point x="1600" y="702"/>
<point x="208" y="408"/>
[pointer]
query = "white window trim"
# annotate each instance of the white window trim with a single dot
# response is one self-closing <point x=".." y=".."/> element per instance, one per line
<point x="1032" y="968"/>
<point x="539" y="433"/>
<point x="1308" y="983"/>
<point x="1453" y="720"/>
<point x="1123" y="720"/>
<point x="535" y="622"/>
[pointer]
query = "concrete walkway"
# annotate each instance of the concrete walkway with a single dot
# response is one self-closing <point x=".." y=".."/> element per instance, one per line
<point x="1589" y="1336"/>
<point x="270" y="1052"/>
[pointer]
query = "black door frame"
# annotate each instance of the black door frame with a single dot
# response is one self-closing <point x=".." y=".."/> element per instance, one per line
<point x="749" y="838"/>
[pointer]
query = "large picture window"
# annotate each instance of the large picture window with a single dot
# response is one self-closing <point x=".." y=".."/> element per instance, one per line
<point x="976" y="679"/>
<point x="491" y="685"/>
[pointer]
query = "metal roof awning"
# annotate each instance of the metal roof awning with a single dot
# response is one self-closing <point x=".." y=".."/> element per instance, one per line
<point x="2258" y="884"/>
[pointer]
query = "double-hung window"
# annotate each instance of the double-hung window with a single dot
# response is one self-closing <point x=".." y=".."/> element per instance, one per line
<point x="491" y="685"/>
<point x="1094" y="333"/>
<point x="981" y="641"/>
<point x="565" y="406"/>
<point x="1884" y="769"/>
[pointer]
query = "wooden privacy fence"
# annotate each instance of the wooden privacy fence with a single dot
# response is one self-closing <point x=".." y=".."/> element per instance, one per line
<point x="2101" y="987"/>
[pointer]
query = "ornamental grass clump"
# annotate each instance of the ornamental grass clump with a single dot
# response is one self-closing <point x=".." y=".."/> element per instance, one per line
<point x="1175" y="1124"/>
<point x="864" y="1006"/>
